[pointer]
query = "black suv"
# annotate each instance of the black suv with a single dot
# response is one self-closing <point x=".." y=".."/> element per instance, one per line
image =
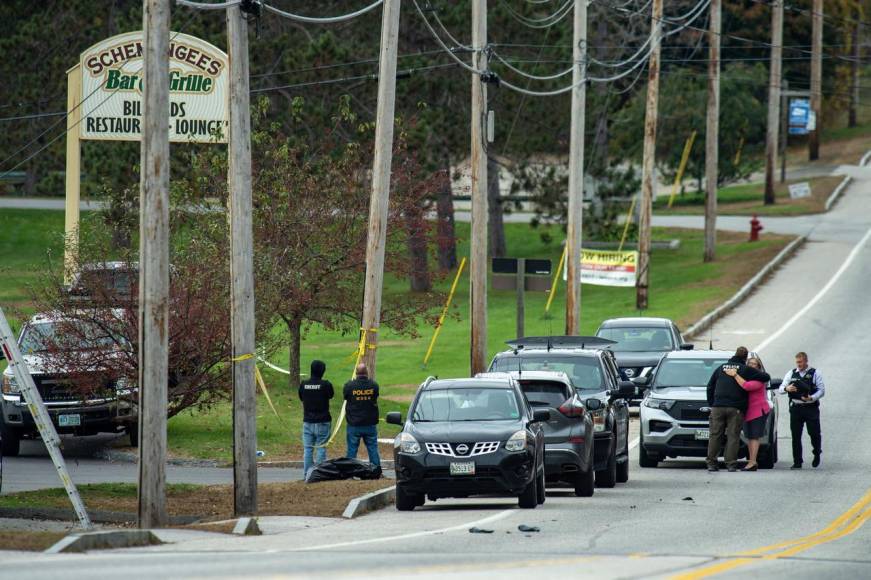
<point x="640" y="343"/>
<point x="467" y="437"/>
<point x="593" y="372"/>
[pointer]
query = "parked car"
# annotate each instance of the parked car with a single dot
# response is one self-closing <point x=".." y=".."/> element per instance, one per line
<point x="107" y="408"/>
<point x="568" y="434"/>
<point x="593" y="372"/>
<point x="462" y="437"/>
<point x="674" y="412"/>
<point x="640" y="343"/>
<point x="114" y="282"/>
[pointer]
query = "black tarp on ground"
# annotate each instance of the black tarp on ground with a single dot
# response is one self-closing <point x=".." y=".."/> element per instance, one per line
<point x="342" y="468"/>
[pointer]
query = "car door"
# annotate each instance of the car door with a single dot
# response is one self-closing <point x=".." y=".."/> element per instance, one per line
<point x="620" y="405"/>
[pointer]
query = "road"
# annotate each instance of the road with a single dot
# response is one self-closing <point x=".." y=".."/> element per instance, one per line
<point x="674" y="521"/>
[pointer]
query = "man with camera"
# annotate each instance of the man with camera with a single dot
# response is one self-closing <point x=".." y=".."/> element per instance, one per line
<point x="804" y="386"/>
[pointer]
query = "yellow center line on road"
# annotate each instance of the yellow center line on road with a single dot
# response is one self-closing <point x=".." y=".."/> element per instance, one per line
<point x="843" y="525"/>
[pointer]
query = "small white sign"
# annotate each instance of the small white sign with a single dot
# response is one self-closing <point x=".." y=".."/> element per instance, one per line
<point x="799" y="190"/>
<point x="811" y="121"/>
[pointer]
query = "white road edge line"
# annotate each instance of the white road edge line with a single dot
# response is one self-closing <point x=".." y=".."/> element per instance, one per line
<point x="853" y="253"/>
<point x="489" y="519"/>
<point x="634" y="443"/>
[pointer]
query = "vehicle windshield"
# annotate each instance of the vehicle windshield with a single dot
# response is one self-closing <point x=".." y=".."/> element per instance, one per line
<point x="584" y="372"/>
<point x="43" y="336"/>
<point x="637" y="339"/>
<point x="686" y="372"/>
<point x="467" y="404"/>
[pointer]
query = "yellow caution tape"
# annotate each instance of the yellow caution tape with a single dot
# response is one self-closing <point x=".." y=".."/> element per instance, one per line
<point x="259" y="378"/>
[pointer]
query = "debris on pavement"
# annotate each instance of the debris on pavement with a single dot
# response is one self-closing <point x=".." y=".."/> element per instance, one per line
<point x="479" y="531"/>
<point x="525" y="528"/>
<point x="688" y="498"/>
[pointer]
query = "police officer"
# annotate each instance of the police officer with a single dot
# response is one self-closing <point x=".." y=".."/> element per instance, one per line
<point x="315" y="395"/>
<point x="361" y="396"/>
<point x="804" y="386"/>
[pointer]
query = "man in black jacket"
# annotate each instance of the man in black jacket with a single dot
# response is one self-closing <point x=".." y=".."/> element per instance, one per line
<point x="361" y="397"/>
<point x="315" y="395"/>
<point x="728" y="402"/>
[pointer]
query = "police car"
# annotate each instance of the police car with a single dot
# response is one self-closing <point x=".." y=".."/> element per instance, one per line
<point x="674" y="412"/>
<point x="462" y="437"/>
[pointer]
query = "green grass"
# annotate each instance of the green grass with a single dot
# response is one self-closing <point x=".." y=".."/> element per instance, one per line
<point x="682" y="287"/>
<point x="56" y="497"/>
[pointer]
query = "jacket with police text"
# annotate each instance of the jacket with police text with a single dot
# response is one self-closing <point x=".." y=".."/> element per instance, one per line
<point x="724" y="391"/>
<point x="362" y="397"/>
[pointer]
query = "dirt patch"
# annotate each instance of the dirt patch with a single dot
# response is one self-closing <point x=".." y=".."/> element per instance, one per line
<point x="29" y="541"/>
<point x="215" y="502"/>
<point x="216" y="527"/>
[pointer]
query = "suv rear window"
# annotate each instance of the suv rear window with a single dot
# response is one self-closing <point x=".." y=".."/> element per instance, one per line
<point x="631" y="339"/>
<point x="544" y="393"/>
<point x="584" y="372"/>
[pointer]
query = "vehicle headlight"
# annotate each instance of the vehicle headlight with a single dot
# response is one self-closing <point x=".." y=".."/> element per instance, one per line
<point x="10" y="385"/>
<point x="516" y="442"/>
<point x="598" y="420"/>
<point x="406" y="443"/>
<point x="662" y="404"/>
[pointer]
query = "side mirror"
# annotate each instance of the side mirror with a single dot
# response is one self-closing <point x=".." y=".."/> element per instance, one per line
<point x="774" y="384"/>
<point x="626" y="390"/>
<point x="687" y="346"/>
<point x="540" y="415"/>
<point x="394" y="418"/>
<point x="593" y="404"/>
<point x="640" y="381"/>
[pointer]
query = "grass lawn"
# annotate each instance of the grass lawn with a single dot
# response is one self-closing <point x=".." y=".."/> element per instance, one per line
<point x="209" y="502"/>
<point x="747" y="199"/>
<point x="682" y="287"/>
<point x="29" y="541"/>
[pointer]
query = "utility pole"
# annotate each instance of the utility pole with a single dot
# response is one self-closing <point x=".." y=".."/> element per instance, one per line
<point x="574" y="232"/>
<point x="816" y="79"/>
<point x="154" y="266"/>
<point x="478" y="250"/>
<point x="854" y="73"/>
<point x="712" y="133"/>
<point x="241" y="270"/>
<point x="774" y="80"/>
<point x="647" y="164"/>
<point x="378" y="204"/>
<point x="520" y="279"/>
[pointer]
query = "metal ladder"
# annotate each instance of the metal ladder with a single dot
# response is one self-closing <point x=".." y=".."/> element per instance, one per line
<point x="40" y="416"/>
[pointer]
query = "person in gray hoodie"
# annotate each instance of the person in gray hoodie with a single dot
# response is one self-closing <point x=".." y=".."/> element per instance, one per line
<point x="315" y="395"/>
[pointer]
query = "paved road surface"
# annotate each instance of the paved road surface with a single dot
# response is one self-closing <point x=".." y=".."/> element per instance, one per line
<point x="672" y="520"/>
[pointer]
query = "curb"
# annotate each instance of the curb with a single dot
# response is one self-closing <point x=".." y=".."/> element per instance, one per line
<point x="836" y="195"/>
<point x="132" y="457"/>
<point x="370" y="502"/>
<point x="296" y="464"/>
<point x="709" y="319"/>
<point x="97" y="516"/>
<point x="247" y="527"/>
<point x="104" y="541"/>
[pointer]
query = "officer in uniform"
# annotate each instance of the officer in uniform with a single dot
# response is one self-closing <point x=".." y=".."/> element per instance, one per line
<point x="804" y="386"/>
<point x="361" y="397"/>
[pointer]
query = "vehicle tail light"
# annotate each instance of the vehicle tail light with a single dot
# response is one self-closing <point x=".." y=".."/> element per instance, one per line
<point x="572" y="408"/>
<point x="579" y="440"/>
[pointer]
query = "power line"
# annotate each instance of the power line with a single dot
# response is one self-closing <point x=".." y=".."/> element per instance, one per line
<point x="323" y="20"/>
<point x="368" y="77"/>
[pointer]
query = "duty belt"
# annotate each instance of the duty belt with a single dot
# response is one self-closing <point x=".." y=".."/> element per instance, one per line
<point x="794" y="403"/>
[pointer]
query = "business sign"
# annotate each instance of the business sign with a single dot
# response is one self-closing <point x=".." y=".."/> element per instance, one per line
<point x="608" y="268"/>
<point x="799" y="116"/>
<point x="112" y="81"/>
<point x="799" y="190"/>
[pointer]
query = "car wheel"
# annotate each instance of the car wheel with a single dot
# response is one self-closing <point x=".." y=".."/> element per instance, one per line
<point x="585" y="483"/>
<point x="623" y="468"/>
<point x="645" y="459"/>
<point x="608" y="476"/>
<point x="405" y="501"/>
<point x="133" y="433"/>
<point x="541" y="491"/>
<point x="528" y="498"/>
<point x="768" y="454"/>
<point x="10" y="440"/>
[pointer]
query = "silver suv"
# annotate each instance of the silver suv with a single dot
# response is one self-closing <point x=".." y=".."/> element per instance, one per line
<point x="674" y="412"/>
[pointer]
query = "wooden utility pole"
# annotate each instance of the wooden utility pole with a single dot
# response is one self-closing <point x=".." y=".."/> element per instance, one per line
<point x="774" y="80"/>
<point x="854" y="73"/>
<point x="241" y="270"/>
<point x="478" y="250"/>
<point x="647" y="164"/>
<point x="574" y="232"/>
<point x="379" y="200"/>
<point x="521" y="294"/>
<point x="816" y="79"/>
<point x="154" y="266"/>
<point x="712" y="133"/>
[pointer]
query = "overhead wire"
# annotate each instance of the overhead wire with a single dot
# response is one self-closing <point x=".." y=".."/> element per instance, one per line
<point x="322" y="20"/>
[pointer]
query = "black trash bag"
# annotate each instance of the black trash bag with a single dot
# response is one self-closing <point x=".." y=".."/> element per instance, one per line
<point x="342" y="468"/>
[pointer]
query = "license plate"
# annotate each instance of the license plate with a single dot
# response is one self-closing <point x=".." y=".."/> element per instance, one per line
<point x="464" y="468"/>
<point x="703" y="434"/>
<point x="69" y="420"/>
